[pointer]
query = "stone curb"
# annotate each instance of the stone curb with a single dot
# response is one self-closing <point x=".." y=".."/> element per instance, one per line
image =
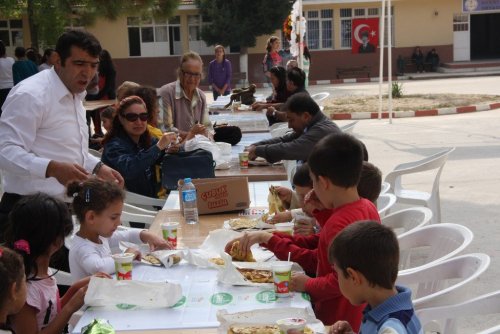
<point x="417" y="113"/>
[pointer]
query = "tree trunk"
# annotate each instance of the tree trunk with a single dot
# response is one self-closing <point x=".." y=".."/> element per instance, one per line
<point x="33" y="27"/>
<point x="244" y="63"/>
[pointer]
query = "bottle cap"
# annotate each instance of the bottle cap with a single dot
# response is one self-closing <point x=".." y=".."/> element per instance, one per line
<point x="187" y="180"/>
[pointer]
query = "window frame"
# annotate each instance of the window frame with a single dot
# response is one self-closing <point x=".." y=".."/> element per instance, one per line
<point x="320" y="19"/>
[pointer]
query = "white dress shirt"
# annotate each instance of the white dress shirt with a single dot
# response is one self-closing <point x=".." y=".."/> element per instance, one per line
<point x="41" y="121"/>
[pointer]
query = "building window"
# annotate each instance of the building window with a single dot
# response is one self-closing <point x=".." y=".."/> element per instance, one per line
<point x="148" y="37"/>
<point x="195" y="25"/>
<point x="11" y="33"/>
<point x="319" y="29"/>
<point x="346" y="16"/>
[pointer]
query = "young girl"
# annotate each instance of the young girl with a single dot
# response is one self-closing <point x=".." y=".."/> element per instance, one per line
<point x="98" y="206"/>
<point x="37" y="226"/>
<point x="12" y="286"/>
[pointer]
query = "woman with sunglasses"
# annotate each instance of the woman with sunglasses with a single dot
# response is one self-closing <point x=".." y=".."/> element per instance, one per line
<point x="130" y="148"/>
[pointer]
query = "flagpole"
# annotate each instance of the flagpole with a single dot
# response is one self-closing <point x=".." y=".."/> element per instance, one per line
<point x="301" y="47"/>
<point x="389" y="56"/>
<point x="381" y="64"/>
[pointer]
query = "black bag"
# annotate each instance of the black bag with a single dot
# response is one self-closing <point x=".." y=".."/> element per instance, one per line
<point x="227" y="133"/>
<point x="195" y="164"/>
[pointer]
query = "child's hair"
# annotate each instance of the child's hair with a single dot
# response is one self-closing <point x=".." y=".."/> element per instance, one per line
<point x="35" y="223"/>
<point x="338" y="157"/>
<point x="301" y="177"/>
<point x="370" y="182"/>
<point x="108" y="112"/>
<point x="11" y="271"/>
<point x="269" y="43"/>
<point x="93" y="194"/>
<point x="370" y="248"/>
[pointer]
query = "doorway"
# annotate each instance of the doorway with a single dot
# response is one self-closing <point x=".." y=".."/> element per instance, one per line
<point x="485" y="36"/>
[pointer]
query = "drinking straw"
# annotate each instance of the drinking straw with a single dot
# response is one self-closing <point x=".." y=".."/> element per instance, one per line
<point x="289" y="253"/>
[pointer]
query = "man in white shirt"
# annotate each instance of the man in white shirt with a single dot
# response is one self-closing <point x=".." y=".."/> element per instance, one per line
<point x="43" y="132"/>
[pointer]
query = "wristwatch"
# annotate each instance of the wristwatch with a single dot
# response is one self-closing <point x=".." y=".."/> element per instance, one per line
<point x="97" y="168"/>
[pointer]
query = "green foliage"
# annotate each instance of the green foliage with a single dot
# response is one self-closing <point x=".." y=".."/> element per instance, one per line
<point x="240" y="22"/>
<point x="397" y="89"/>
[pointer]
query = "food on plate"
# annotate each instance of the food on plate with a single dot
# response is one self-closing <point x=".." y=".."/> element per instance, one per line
<point x="264" y="329"/>
<point x="235" y="253"/>
<point x="275" y="204"/>
<point x="217" y="260"/>
<point x="242" y="223"/>
<point x="152" y="259"/>
<point x="174" y="258"/>
<point x="257" y="275"/>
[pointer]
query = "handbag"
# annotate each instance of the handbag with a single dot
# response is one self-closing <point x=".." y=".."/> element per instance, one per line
<point x="195" y="164"/>
<point x="227" y="133"/>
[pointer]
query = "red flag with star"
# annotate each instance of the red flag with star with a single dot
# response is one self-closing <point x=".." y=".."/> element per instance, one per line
<point x="365" y="34"/>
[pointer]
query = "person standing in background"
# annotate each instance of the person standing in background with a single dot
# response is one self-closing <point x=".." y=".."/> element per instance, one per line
<point x="219" y="73"/>
<point x="306" y="63"/>
<point x="273" y="56"/>
<point x="48" y="60"/>
<point x="6" y="82"/>
<point x="22" y="68"/>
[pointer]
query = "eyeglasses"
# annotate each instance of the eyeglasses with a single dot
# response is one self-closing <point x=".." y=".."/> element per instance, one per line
<point x="191" y="74"/>
<point x="131" y="117"/>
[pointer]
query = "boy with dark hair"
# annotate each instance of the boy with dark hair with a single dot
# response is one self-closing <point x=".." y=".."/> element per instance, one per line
<point x="370" y="182"/>
<point x="23" y="68"/>
<point x="335" y="166"/>
<point x="365" y="256"/>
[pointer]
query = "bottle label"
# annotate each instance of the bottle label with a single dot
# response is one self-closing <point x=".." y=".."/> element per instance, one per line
<point x="188" y="195"/>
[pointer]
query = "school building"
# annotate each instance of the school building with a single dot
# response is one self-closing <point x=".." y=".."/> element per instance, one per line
<point x="147" y="51"/>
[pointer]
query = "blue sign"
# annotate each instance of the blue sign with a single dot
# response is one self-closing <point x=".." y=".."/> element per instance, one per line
<point x="480" y="5"/>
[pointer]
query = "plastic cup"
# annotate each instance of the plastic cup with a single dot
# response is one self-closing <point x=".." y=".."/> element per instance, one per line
<point x="291" y="325"/>
<point x="243" y="159"/>
<point x="282" y="274"/>
<point x="123" y="266"/>
<point x="169" y="232"/>
<point x="285" y="228"/>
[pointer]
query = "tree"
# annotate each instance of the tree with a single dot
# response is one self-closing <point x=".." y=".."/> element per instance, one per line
<point x="47" y="18"/>
<point x="240" y="22"/>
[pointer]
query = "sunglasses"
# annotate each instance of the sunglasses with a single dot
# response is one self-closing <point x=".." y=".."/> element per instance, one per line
<point x="131" y="117"/>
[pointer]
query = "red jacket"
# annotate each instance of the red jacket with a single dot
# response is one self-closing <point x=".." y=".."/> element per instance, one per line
<point x="312" y="251"/>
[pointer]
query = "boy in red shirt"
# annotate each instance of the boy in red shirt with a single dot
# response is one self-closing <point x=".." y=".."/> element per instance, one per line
<point x="335" y="167"/>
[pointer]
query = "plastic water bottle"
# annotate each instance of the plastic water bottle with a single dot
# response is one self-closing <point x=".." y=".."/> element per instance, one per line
<point x="189" y="202"/>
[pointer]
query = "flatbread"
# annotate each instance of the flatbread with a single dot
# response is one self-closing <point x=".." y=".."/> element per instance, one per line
<point x="217" y="260"/>
<point x="242" y="223"/>
<point x="234" y="252"/>
<point x="274" y="201"/>
<point x="264" y="329"/>
<point x="257" y="275"/>
<point x="152" y="259"/>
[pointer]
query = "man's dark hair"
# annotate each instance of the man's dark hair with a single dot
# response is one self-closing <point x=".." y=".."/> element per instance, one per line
<point x="301" y="177"/>
<point x="297" y="76"/>
<point x="370" y="248"/>
<point x="20" y="52"/>
<point x="370" y="182"/>
<point x="3" y="50"/>
<point x="300" y="103"/>
<point x="338" y="157"/>
<point x="81" y="39"/>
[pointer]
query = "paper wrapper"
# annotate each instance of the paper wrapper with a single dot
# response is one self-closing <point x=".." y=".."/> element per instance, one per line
<point x="260" y="225"/>
<point x="165" y="256"/>
<point x="267" y="317"/>
<point x="98" y="326"/>
<point x="213" y="247"/>
<point x="131" y="294"/>
<point x="230" y="274"/>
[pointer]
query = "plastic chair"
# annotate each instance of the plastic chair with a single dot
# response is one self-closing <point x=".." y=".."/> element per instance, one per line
<point x="135" y="209"/>
<point x="385" y="187"/>
<point x="384" y="203"/>
<point x="407" y="220"/>
<point x="62" y="277"/>
<point x="443" y="318"/>
<point x="128" y="217"/>
<point x="431" y="244"/>
<point x="95" y="153"/>
<point x="414" y="197"/>
<point x="443" y="283"/>
<point x="348" y="128"/>
<point x="143" y="201"/>
<point x="280" y="131"/>
<point x="320" y="97"/>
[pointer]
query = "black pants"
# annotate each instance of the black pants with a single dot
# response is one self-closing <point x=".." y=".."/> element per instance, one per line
<point x="3" y="95"/>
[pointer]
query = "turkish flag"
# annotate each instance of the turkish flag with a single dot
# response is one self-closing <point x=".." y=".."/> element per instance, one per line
<point x="365" y="35"/>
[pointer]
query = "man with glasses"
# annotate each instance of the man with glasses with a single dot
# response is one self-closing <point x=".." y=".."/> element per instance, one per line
<point x="184" y="104"/>
<point x="43" y="133"/>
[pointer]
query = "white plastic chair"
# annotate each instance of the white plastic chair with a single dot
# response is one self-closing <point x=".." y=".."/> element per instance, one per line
<point x="414" y="197"/>
<point x="431" y="244"/>
<point x="135" y="209"/>
<point x="280" y="131"/>
<point x="62" y="277"/>
<point x="443" y="283"/>
<point x="128" y="217"/>
<point x="143" y="201"/>
<point x="407" y="220"/>
<point x="384" y="203"/>
<point x="385" y="187"/>
<point x="443" y="318"/>
<point x="348" y="128"/>
<point x="320" y="97"/>
<point x="95" y="153"/>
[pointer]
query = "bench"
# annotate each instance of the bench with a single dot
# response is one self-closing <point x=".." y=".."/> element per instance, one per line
<point x="411" y="67"/>
<point x="353" y="71"/>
